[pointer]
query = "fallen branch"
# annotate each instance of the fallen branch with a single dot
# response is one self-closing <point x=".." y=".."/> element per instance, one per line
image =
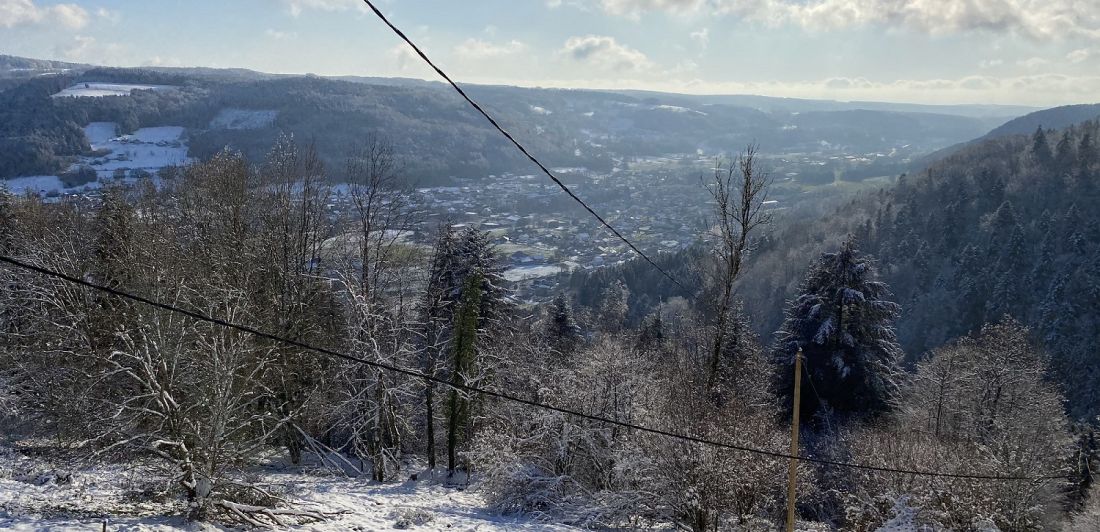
<point x="262" y="517"/>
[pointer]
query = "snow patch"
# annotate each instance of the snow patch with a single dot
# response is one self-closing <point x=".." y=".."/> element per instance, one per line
<point x="678" y="109"/>
<point x="96" y="89"/>
<point x="521" y="273"/>
<point x="40" y="184"/>
<point x="540" y="110"/>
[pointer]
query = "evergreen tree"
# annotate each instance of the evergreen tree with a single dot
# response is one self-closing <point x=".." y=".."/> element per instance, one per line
<point x="845" y="327"/>
<point x="1040" y="147"/>
<point x="465" y="271"/>
<point x="474" y="254"/>
<point x="435" y="327"/>
<point x="560" y="327"/>
<point x="1087" y="154"/>
<point x="1064" y="155"/>
<point x="652" y="333"/>
<point x="464" y="355"/>
<point x="742" y="363"/>
<point x="613" y="307"/>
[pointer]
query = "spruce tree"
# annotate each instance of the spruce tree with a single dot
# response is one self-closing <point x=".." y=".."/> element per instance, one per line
<point x="1064" y="155"/>
<point x="613" y="307"/>
<point x="845" y="327"/>
<point x="1040" y="147"/>
<point x="464" y="355"/>
<point x="560" y="329"/>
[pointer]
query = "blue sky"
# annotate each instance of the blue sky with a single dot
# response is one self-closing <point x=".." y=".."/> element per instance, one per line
<point x="1037" y="52"/>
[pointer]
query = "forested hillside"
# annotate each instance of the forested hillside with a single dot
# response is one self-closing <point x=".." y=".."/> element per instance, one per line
<point x="1004" y="227"/>
<point x="438" y="137"/>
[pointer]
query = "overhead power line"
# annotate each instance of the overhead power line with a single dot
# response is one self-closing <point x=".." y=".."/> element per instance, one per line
<point x="491" y="393"/>
<point x="519" y="146"/>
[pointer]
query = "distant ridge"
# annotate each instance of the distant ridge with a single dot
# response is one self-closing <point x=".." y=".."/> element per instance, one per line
<point x="1054" y="118"/>
<point x="14" y="66"/>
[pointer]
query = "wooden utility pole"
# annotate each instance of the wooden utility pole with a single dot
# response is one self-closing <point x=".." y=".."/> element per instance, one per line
<point x="792" y="468"/>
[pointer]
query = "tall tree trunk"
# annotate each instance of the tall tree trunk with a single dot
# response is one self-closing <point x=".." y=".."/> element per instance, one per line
<point x="429" y="403"/>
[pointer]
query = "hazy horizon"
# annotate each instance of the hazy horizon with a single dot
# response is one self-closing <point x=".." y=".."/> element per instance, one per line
<point x="1013" y="52"/>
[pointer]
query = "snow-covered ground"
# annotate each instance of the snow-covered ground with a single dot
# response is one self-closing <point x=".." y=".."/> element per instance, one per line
<point x="96" y="89"/>
<point x="520" y="273"/>
<point x="41" y="184"/>
<point x="243" y="119"/>
<point x="149" y="148"/>
<point x="36" y="494"/>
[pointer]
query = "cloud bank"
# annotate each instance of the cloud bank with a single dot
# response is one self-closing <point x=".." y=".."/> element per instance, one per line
<point x="25" y="12"/>
<point x="1035" y="19"/>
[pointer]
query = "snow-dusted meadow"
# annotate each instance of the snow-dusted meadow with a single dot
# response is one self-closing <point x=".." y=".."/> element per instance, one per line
<point x="38" y="494"/>
<point x="148" y="149"/>
<point x="40" y="184"/>
<point x="97" y="89"/>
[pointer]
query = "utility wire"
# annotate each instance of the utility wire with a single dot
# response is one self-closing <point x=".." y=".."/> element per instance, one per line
<point x="499" y="395"/>
<point x="522" y="149"/>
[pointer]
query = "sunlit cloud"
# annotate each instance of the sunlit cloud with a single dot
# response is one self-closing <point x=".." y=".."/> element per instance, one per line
<point x="25" y="12"/>
<point x="605" y="52"/>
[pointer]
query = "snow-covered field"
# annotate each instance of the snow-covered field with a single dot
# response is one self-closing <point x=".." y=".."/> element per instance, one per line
<point x="41" y="184"/>
<point x="95" y="89"/>
<point x="243" y="119"/>
<point x="520" y="273"/>
<point x="36" y="494"/>
<point x="149" y="148"/>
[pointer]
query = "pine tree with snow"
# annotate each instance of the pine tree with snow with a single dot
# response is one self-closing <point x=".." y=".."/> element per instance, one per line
<point x="464" y="354"/>
<point x="1040" y="147"/>
<point x="613" y="307"/>
<point x="652" y="334"/>
<point x="742" y="363"/>
<point x="845" y="327"/>
<point x="560" y="328"/>
<point x="1064" y="153"/>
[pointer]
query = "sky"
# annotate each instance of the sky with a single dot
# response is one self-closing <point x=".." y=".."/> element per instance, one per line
<point x="1027" y="52"/>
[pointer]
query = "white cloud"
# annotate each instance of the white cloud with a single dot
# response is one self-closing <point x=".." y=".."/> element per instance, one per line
<point x="990" y="63"/>
<point x="634" y="8"/>
<point x="408" y="63"/>
<point x="280" y="35"/>
<point x="106" y="14"/>
<point x="89" y="50"/>
<point x="1032" y="62"/>
<point x="297" y="7"/>
<point x="1037" y="19"/>
<point x="1079" y="56"/>
<point x="605" y="52"/>
<point x="479" y="49"/>
<point x="702" y="37"/>
<point x="24" y="12"/>
<point x="157" y="61"/>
